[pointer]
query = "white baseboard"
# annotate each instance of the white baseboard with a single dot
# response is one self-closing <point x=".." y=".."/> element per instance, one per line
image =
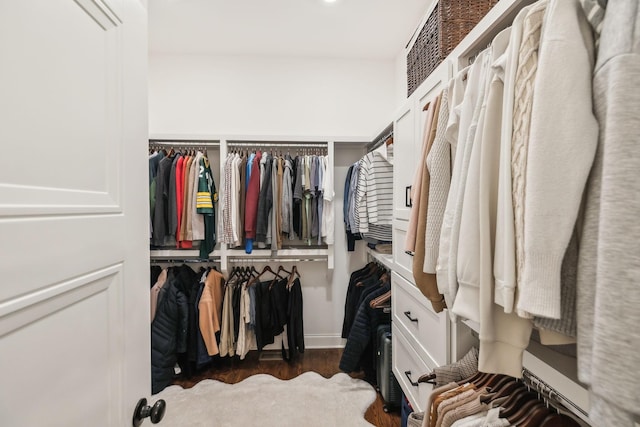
<point x="324" y="341"/>
<point x="312" y="341"/>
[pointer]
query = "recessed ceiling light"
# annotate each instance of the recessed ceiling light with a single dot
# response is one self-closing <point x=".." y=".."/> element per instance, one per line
<point x="330" y="1"/>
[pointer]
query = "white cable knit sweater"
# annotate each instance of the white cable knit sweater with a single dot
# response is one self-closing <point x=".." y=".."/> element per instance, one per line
<point x="504" y="268"/>
<point x="524" y="90"/>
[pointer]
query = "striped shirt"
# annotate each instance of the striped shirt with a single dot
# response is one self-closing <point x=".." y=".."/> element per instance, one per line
<point x="374" y="197"/>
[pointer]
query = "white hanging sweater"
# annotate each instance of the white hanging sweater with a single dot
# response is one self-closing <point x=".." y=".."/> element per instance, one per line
<point x="504" y="263"/>
<point x="448" y="251"/>
<point x="523" y="104"/>
<point x="562" y="144"/>
<point x="467" y="268"/>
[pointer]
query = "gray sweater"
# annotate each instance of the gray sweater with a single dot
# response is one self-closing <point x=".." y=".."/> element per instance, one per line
<point x="609" y="266"/>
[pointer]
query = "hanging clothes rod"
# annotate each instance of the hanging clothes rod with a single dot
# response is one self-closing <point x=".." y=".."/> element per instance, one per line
<point x="273" y="260"/>
<point x="552" y="395"/>
<point x="381" y="139"/>
<point x="190" y="143"/>
<point x="275" y="144"/>
<point x="182" y="260"/>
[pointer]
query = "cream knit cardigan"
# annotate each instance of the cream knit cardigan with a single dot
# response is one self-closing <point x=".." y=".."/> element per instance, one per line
<point x="504" y="268"/>
<point x="524" y="89"/>
<point x="439" y="169"/>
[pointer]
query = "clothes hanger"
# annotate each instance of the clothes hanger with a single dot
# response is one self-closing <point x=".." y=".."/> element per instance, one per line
<point x="505" y="391"/>
<point x="486" y="380"/>
<point x="294" y="272"/>
<point x="472" y="379"/>
<point x="382" y="299"/>
<point x="533" y="417"/>
<point x="233" y="273"/>
<point x="559" y="420"/>
<point x="275" y="279"/>
<point x="264" y="270"/>
<point x="517" y="401"/>
<point x="501" y="382"/>
<point x="281" y="269"/>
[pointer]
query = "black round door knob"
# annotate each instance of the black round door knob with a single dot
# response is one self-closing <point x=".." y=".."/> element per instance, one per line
<point x="155" y="412"/>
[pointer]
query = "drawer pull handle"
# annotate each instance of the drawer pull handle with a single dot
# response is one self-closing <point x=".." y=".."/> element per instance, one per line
<point x="408" y="202"/>
<point x="408" y="375"/>
<point x="408" y="314"/>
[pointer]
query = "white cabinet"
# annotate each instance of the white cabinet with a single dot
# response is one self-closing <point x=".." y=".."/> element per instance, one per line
<point x="405" y="161"/>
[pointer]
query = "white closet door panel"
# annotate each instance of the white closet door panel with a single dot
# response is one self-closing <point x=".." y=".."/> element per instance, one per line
<point x="73" y="212"/>
<point x="60" y="115"/>
<point x="404" y="161"/>
<point x="84" y="323"/>
<point x="48" y="259"/>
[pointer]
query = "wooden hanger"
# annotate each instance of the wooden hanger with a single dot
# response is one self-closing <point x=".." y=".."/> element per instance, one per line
<point x="281" y="269"/>
<point x="382" y="299"/>
<point x="506" y="390"/>
<point x="472" y="379"/>
<point x="517" y="401"/>
<point x="500" y="382"/>
<point x="234" y="272"/>
<point x="559" y="420"/>
<point x="264" y="270"/>
<point x="292" y="276"/>
<point x="486" y="381"/>
<point x="532" y="417"/>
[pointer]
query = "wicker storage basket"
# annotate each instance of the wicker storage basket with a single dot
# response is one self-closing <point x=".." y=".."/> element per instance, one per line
<point x="448" y="24"/>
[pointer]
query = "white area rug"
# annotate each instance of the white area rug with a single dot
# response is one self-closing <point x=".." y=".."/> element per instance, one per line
<point x="262" y="400"/>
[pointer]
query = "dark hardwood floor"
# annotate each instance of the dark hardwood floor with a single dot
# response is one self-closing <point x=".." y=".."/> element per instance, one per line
<point x="325" y="362"/>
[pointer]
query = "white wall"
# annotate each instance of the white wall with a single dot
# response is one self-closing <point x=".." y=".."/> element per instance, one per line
<point x="200" y="95"/>
<point x="400" y="78"/>
<point x="204" y="95"/>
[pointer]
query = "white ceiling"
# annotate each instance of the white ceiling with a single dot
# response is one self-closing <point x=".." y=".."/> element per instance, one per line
<point x="362" y="29"/>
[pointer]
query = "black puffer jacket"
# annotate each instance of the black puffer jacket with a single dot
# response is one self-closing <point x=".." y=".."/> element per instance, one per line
<point x="358" y="351"/>
<point x="168" y="334"/>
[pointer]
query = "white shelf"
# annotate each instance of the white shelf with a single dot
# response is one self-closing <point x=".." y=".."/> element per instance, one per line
<point x="262" y="138"/>
<point x="181" y="253"/>
<point x="262" y="253"/>
<point x="475" y="326"/>
<point x="384" y="259"/>
<point x="572" y="394"/>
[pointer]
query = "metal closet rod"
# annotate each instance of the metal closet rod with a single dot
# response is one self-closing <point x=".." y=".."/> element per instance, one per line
<point x="550" y="393"/>
<point x="275" y="144"/>
<point x="192" y="143"/>
<point x="182" y="260"/>
<point x="381" y="139"/>
<point x="249" y="259"/>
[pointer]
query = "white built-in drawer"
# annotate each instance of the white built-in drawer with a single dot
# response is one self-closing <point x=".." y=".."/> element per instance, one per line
<point x="412" y="312"/>
<point x="403" y="261"/>
<point x="408" y="366"/>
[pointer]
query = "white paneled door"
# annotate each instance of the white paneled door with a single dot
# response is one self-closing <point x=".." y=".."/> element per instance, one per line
<point x="74" y="291"/>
